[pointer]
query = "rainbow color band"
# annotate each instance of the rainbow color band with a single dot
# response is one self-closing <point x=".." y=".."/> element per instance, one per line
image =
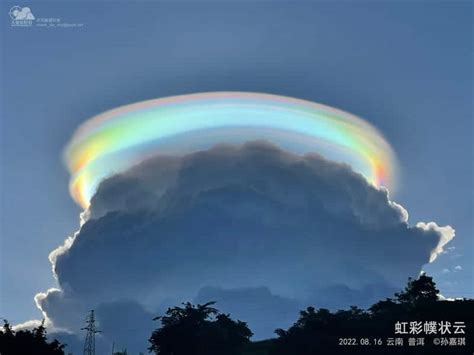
<point x="115" y="140"/>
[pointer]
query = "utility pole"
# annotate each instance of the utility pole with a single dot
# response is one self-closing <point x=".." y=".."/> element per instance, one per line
<point x="89" y="343"/>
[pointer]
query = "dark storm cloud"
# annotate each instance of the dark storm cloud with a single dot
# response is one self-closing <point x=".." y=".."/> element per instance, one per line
<point x="253" y="223"/>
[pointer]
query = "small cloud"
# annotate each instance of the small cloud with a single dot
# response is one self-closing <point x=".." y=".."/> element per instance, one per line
<point x="29" y="324"/>
<point x="451" y="299"/>
<point x="443" y="298"/>
<point x="458" y="268"/>
<point x="448" y="250"/>
<point x="446" y="234"/>
<point x="445" y="271"/>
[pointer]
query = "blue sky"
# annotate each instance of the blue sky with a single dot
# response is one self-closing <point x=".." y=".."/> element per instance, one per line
<point x="405" y="67"/>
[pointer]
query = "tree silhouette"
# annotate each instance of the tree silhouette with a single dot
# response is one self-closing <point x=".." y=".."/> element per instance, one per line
<point x="319" y="332"/>
<point x="203" y="330"/>
<point x="199" y="330"/>
<point x="419" y="291"/>
<point x="25" y="342"/>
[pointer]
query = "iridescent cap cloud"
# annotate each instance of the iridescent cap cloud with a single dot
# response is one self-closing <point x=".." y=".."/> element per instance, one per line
<point x="114" y="141"/>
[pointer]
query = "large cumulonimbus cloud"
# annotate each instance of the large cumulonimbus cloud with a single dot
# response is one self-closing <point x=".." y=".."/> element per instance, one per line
<point x="260" y="231"/>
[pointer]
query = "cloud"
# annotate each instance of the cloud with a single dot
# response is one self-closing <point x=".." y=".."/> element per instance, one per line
<point x="457" y="268"/>
<point x="257" y="306"/>
<point x="28" y="325"/>
<point x="244" y="225"/>
<point x="130" y="327"/>
<point x="446" y="235"/>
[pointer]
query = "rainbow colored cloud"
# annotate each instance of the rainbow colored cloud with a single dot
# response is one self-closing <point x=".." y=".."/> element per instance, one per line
<point x="114" y="141"/>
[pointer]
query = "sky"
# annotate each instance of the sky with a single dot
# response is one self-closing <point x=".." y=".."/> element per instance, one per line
<point x="404" y="67"/>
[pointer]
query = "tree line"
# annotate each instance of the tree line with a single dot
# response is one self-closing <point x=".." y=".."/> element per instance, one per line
<point x="415" y="313"/>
